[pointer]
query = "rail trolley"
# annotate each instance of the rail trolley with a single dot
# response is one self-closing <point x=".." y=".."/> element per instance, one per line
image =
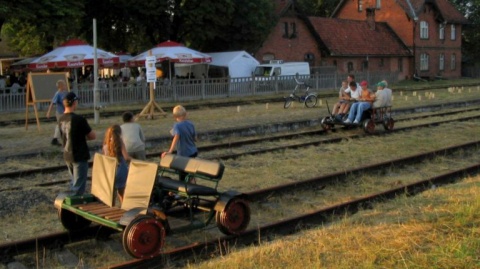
<point x="144" y="218"/>
<point x="370" y="118"/>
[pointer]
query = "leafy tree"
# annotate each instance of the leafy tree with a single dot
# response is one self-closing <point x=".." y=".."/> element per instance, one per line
<point x="210" y="25"/>
<point x="124" y="25"/>
<point x="319" y="8"/>
<point x="35" y="27"/>
<point x="470" y="35"/>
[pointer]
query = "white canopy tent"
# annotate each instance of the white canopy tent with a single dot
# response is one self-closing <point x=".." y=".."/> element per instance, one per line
<point x="238" y="63"/>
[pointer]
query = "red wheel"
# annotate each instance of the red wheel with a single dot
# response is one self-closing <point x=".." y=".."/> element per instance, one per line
<point x="144" y="237"/>
<point x="388" y="124"/>
<point x="234" y="218"/>
<point x="369" y="126"/>
<point x="72" y="221"/>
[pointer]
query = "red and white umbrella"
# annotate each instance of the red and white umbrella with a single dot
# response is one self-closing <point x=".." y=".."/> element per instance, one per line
<point x="173" y="52"/>
<point x="73" y="54"/>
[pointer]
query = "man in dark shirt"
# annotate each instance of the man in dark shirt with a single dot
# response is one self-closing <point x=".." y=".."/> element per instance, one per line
<point x="75" y="132"/>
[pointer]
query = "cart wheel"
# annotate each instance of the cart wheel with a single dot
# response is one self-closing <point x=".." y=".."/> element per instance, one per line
<point x="369" y="126"/>
<point x="326" y="123"/>
<point x="388" y="124"/>
<point x="72" y="221"/>
<point x="144" y="237"/>
<point x="311" y="101"/>
<point x="234" y="218"/>
<point x="288" y="102"/>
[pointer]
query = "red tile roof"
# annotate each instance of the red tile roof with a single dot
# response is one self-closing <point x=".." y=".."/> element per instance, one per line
<point x="350" y="38"/>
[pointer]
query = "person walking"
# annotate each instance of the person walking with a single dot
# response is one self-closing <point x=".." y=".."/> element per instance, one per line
<point x="57" y="100"/>
<point x="133" y="137"/>
<point x="75" y="131"/>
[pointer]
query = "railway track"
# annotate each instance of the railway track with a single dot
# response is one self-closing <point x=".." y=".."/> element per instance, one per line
<point x="10" y="250"/>
<point x="155" y="141"/>
<point x="237" y="144"/>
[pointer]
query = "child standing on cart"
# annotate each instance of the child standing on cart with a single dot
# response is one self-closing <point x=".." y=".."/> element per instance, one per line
<point x="184" y="136"/>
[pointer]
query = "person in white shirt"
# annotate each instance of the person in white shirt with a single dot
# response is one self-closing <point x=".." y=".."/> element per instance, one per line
<point x="133" y="137"/>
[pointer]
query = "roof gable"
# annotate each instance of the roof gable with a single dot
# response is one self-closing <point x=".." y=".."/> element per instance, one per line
<point x="350" y="38"/>
<point x="447" y="11"/>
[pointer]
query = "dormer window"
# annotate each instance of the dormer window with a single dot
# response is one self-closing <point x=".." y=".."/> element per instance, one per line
<point x="424" y="30"/>
<point x="289" y="30"/>
<point x="441" y="31"/>
<point x="453" y="32"/>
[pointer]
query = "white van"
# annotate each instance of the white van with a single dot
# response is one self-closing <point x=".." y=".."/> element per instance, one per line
<point x="280" y="68"/>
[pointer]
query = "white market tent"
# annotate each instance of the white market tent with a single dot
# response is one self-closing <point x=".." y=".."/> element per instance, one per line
<point x="238" y="63"/>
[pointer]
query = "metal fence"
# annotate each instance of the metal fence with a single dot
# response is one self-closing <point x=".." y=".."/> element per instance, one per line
<point x="179" y="90"/>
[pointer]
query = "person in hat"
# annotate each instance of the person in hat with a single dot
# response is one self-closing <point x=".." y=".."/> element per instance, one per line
<point x="381" y="96"/>
<point x="75" y="131"/>
<point x="365" y="102"/>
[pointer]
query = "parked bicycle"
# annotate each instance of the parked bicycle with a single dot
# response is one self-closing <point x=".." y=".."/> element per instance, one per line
<point x="309" y="99"/>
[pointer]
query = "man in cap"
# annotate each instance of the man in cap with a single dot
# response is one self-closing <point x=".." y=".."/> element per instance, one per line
<point x="75" y="132"/>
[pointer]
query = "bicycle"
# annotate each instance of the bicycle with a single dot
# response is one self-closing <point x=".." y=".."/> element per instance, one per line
<point x="309" y="99"/>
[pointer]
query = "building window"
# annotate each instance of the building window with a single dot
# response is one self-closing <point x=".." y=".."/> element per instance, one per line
<point x="424" y="58"/>
<point x="365" y="65"/>
<point x="441" y="31"/>
<point x="424" y="30"/>
<point x="453" y="62"/>
<point x="267" y="57"/>
<point x="453" y="32"/>
<point x="381" y="63"/>
<point x="400" y="64"/>
<point x="360" y="5"/>
<point x="285" y="30"/>
<point x="309" y="57"/>
<point x="378" y="4"/>
<point x="441" y="62"/>
<point x="289" y="30"/>
<point x="350" y="66"/>
<point x="293" y="27"/>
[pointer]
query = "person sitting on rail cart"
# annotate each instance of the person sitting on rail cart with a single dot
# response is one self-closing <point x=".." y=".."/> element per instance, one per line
<point x="357" y="108"/>
<point x="353" y="94"/>
<point x="341" y="96"/>
<point x="388" y="92"/>
<point x="381" y="96"/>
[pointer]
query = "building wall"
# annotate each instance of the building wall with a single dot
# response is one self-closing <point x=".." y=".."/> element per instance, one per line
<point x="289" y="49"/>
<point x="434" y="47"/>
<point x="389" y="12"/>
<point x="409" y="32"/>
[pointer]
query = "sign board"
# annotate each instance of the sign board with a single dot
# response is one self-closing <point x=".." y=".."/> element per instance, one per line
<point x="151" y="71"/>
<point x="40" y="88"/>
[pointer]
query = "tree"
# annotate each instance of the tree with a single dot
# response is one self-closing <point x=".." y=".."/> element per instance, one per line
<point x="35" y="27"/>
<point x="210" y="25"/>
<point x="319" y="8"/>
<point x="470" y="35"/>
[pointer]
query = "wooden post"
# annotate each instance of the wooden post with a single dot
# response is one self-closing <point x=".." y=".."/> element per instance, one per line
<point x="149" y="110"/>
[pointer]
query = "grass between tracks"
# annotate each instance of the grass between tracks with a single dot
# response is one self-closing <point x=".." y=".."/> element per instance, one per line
<point x="439" y="228"/>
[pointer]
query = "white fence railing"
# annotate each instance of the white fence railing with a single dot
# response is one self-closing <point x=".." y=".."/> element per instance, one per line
<point x="193" y="89"/>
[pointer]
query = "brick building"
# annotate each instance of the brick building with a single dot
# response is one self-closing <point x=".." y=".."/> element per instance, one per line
<point x="383" y="35"/>
<point x="430" y="28"/>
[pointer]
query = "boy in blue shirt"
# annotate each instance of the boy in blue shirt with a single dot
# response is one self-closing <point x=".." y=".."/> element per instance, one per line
<point x="184" y="135"/>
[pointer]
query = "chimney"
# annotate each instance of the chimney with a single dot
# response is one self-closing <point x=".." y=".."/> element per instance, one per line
<point x="371" y="18"/>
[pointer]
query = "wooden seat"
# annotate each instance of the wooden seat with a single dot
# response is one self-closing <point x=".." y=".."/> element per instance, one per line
<point x="103" y="178"/>
<point x="140" y="181"/>
<point x="194" y="166"/>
